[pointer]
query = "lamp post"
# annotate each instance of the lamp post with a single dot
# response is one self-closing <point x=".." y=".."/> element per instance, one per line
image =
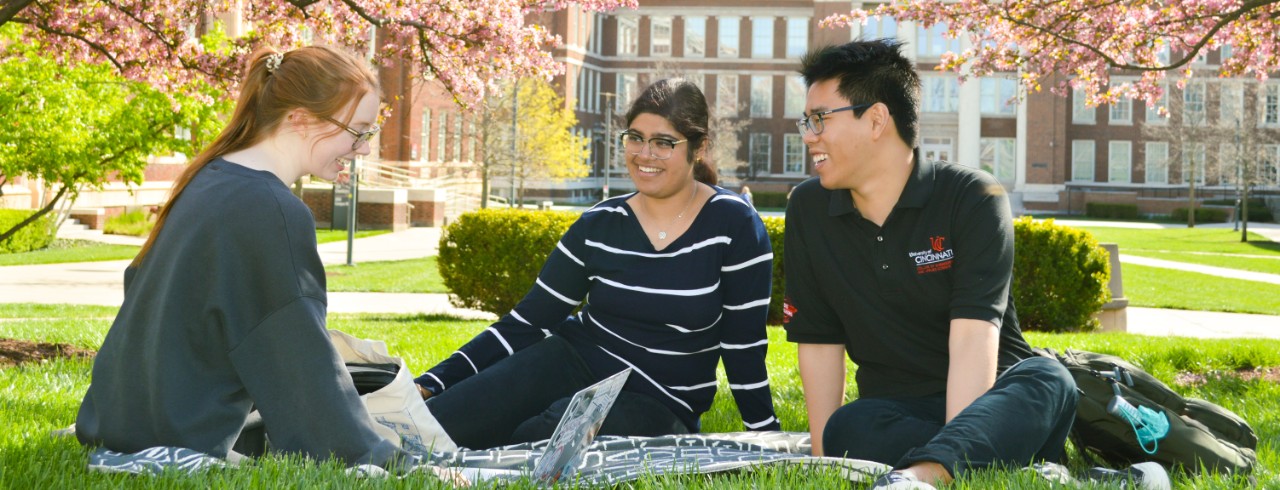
<point x="608" y="140"/>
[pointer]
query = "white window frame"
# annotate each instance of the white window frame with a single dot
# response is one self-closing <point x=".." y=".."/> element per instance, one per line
<point x="727" y="95"/>
<point x="1083" y="159"/>
<point x="1119" y="161"/>
<point x="941" y="94"/>
<point x="457" y="138"/>
<point x="996" y="93"/>
<point x="761" y="161"/>
<point x="1268" y="172"/>
<point x="880" y="27"/>
<point x="1230" y="104"/>
<point x="998" y="156"/>
<point x="1194" y="112"/>
<point x="762" y="37"/>
<point x="424" y="153"/>
<point x="695" y="37"/>
<point x="1120" y="112"/>
<point x="1081" y="113"/>
<point x="793" y="154"/>
<point x="762" y="96"/>
<point x="1153" y="111"/>
<point x="797" y="36"/>
<point x="1193" y="153"/>
<point x="442" y="135"/>
<point x="793" y="92"/>
<point x="1269" y="105"/>
<point x="659" y="43"/>
<point x="932" y="42"/>
<point x="1156" y="162"/>
<point x="628" y="35"/>
<point x="625" y="84"/>
<point x="728" y="46"/>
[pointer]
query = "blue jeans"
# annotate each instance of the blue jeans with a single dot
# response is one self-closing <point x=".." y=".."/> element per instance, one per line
<point x="521" y="399"/>
<point x="1024" y="417"/>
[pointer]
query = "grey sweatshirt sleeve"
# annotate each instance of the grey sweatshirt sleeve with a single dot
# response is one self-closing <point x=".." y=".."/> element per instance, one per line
<point x="302" y="389"/>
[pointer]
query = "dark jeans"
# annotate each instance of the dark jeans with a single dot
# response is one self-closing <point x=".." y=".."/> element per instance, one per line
<point x="1024" y="417"/>
<point x="521" y="399"/>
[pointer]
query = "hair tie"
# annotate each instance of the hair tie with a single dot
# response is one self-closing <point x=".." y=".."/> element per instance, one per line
<point x="273" y="61"/>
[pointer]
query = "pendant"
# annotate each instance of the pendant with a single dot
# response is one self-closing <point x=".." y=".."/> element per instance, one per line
<point x="662" y="235"/>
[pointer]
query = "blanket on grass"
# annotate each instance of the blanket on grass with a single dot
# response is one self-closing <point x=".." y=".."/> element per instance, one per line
<point x="609" y="460"/>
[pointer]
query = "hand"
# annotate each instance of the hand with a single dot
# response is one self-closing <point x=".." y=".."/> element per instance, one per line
<point x="423" y="391"/>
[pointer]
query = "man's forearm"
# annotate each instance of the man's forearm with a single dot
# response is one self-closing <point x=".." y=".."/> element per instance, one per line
<point x="974" y="346"/>
<point x="822" y="375"/>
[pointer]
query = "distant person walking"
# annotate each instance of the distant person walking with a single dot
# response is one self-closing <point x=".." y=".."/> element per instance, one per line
<point x="746" y="195"/>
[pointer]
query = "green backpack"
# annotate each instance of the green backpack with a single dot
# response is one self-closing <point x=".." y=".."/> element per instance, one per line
<point x="1127" y="416"/>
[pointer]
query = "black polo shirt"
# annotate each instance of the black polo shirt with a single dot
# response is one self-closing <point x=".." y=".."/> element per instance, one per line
<point x="889" y="293"/>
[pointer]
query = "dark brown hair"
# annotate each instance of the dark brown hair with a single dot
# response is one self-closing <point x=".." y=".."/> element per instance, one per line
<point x="682" y="103"/>
<point x="318" y="79"/>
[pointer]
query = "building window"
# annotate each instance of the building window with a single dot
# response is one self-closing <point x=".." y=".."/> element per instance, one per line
<point x="762" y="37"/>
<point x="1153" y="111"/>
<point x="933" y="43"/>
<point x="695" y="37"/>
<point x="1081" y="113"/>
<point x="596" y="32"/>
<point x="761" y="96"/>
<point x="628" y="36"/>
<point x="457" y="138"/>
<point x="727" y="45"/>
<point x="1082" y="160"/>
<point x="727" y="96"/>
<point x="1119" y="161"/>
<point x="797" y="36"/>
<point x="1193" y="113"/>
<point x="1157" y="162"/>
<point x="660" y="36"/>
<point x="697" y="79"/>
<point x="424" y="153"/>
<point x="793" y="92"/>
<point x="998" y="157"/>
<point x="1269" y="170"/>
<point x="1231" y="104"/>
<point x="998" y="96"/>
<point x="474" y="140"/>
<point x="1193" y="158"/>
<point x="442" y="136"/>
<point x="1270" y="104"/>
<point x="761" y="147"/>
<point x="880" y="27"/>
<point x="1121" y="112"/>
<point x="941" y="94"/>
<point x="793" y="154"/>
<point x="626" y="90"/>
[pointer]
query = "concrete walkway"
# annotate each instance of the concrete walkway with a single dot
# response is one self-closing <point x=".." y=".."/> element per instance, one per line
<point x="101" y="283"/>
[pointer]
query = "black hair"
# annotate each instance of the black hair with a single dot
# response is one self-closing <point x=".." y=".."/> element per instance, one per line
<point x="681" y="103"/>
<point x="869" y="72"/>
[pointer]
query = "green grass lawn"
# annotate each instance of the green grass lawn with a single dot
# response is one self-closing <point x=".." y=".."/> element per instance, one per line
<point x="1255" y="263"/>
<point x="62" y="251"/>
<point x="43" y="397"/>
<point x="1215" y="240"/>
<point x="326" y="236"/>
<point x="1158" y="287"/>
<point x="395" y="276"/>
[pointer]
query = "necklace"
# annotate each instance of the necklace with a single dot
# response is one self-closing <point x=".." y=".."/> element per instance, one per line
<point x="662" y="234"/>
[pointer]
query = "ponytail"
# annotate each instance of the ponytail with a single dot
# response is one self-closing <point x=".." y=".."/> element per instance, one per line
<point x="704" y="172"/>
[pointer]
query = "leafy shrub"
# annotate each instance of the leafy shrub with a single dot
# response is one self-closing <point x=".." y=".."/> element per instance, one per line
<point x="490" y="258"/>
<point x="33" y="236"/>
<point x="1111" y="210"/>
<point x="1204" y="215"/>
<point x="1258" y="210"/>
<point x="774" y="226"/>
<point x="1060" y="277"/>
<point x="134" y="223"/>
<point x="769" y="199"/>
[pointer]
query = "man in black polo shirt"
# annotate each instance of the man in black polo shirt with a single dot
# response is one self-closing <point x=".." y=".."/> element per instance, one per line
<point x="906" y="265"/>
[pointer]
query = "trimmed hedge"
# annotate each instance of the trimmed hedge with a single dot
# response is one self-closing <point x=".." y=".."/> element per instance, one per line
<point x="1060" y="277"/>
<point x="1258" y="210"/>
<point x="34" y="236"/>
<point x="1203" y="215"/>
<point x="769" y="199"/>
<point x="1111" y="210"/>
<point x="133" y="223"/>
<point x="490" y="258"/>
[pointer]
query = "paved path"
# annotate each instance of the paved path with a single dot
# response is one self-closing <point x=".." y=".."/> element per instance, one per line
<point x="100" y="283"/>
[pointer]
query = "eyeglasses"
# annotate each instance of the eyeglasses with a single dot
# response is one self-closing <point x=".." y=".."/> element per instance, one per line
<point x="361" y="136"/>
<point x="659" y="147"/>
<point x="813" y="122"/>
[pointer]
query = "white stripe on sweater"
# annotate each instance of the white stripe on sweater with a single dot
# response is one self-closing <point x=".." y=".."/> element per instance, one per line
<point x="464" y="356"/>
<point x="744" y="346"/>
<point x="651" y="380"/>
<point x="762" y="258"/>
<point x="752" y="386"/>
<point x="557" y="294"/>
<point x="703" y="386"/>
<point x="759" y="424"/>
<point x="744" y="306"/>
<point x="500" y="339"/>
<point x="686" y="330"/>
<point x="655" y="351"/>
<point x="702" y="244"/>
<point x="560" y="245"/>
<point x="669" y="292"/>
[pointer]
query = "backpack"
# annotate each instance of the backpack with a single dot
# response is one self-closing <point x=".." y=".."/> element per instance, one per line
<point x="1126" y="416"/>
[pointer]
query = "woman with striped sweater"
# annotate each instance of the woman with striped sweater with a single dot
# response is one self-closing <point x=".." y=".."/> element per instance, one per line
<point x="668" y="281"/>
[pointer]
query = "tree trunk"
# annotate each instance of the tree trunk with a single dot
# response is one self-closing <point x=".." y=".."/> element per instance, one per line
<point x="1191" y="211"/>
<point x="484" y="186"/>
<point x="1244" y="215"/>
<point x="37" y="215"/>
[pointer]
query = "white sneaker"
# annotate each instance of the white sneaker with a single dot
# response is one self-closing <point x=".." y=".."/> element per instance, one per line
<point x="897" y="480"/>
<point x="1142" y="476"/>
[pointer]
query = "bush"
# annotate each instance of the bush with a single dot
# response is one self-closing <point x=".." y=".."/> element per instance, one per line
<point x="490" y="258"/>
<point x="1111" y="210"/>
<point x="769" y="199"/>
<point x="1060" y="277"/>
<point x="133" y="223"/>
<point x="1258" y="210"/>
<point x="774" y="225"/>
<point x="34" y="236"/>
<point x="1204" y="215"/>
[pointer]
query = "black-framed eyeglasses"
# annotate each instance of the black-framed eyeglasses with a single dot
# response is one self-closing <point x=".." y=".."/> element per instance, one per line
<point x="361" y="136"/>
<point x="813" y="122"/>
<point x="660" y="147"/>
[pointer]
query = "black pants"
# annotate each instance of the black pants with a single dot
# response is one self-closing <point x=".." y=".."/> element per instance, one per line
<point x="1024" y="417"/>
<point x="523" y="397"/>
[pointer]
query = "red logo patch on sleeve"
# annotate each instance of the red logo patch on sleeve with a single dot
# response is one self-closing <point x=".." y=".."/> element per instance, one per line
<point x="788" y="310"/>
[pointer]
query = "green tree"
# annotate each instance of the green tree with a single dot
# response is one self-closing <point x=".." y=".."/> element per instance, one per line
<point x="546" y="146"/>
<point x="77" y="127"/>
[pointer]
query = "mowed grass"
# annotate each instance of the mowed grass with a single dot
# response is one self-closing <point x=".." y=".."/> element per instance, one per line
<point x="65" y="251"/>
<point x="326" y="236"/>
<point x="43" y="397"/>
<point x="1210" y="240"/>
<point x="1158" y="287"/>
<point x="394" y="276"/>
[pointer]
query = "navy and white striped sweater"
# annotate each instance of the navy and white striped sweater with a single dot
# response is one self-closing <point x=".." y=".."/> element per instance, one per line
<point x="671" y="315"/>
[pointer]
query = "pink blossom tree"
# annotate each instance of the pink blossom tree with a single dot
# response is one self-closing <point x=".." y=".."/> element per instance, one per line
<point x="1088" y="40"/>
<point x="465" y="44"/>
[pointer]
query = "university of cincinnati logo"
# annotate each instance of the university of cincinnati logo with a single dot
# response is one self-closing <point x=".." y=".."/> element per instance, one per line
<point x="936" y="258"/>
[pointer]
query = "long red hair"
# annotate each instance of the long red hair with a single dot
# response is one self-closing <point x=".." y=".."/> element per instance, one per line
<point x="318" y="79"/>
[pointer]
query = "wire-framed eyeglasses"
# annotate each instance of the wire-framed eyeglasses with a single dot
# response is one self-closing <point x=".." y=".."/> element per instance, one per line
<point x="813" y="122"/>
<point x="361" y="136"/>
<point x="660" y="147"/>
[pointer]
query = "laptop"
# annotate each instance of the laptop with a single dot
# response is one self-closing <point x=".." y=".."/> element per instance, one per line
<point x="578" y="427"/>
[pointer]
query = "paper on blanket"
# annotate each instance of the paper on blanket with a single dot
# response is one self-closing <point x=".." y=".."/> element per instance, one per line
<point x="397" y="408"/>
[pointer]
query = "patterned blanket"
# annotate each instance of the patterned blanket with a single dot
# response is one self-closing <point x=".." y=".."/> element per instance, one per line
<point x="608" y="461"/>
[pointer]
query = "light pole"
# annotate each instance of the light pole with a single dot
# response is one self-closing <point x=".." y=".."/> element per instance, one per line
<point x="608" y="140"/>
<point x="515" y="135"/>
